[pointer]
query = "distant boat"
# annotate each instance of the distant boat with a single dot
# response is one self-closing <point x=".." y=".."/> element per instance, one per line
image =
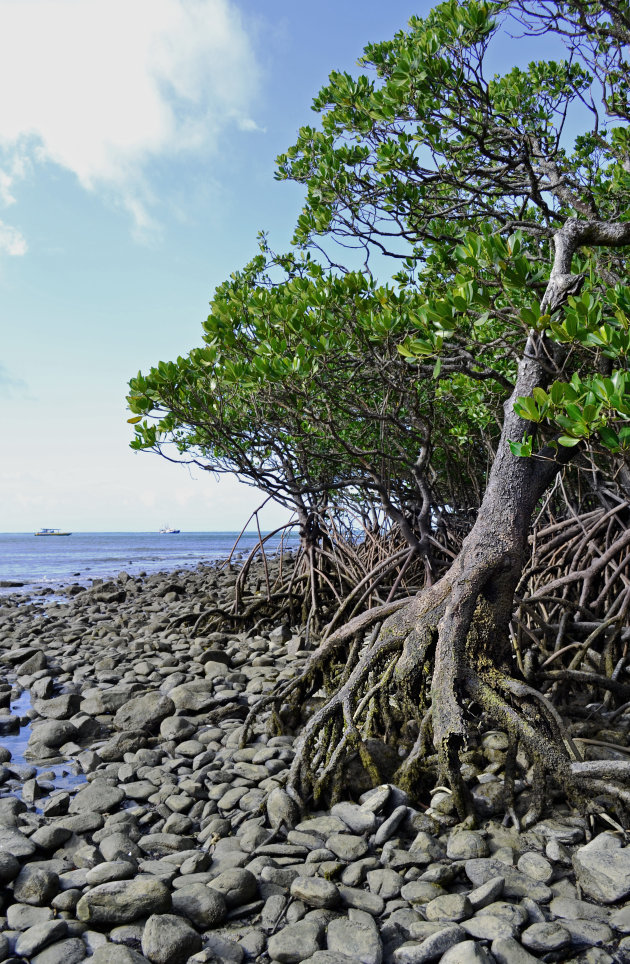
<point x="169" y="531"/>
<point x="52" y="532"/>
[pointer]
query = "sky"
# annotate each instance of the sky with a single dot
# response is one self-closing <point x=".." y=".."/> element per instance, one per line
<point x="137" y="148"/>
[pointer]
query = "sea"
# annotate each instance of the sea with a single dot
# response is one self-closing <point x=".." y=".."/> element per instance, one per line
<point x="39" y="562"/>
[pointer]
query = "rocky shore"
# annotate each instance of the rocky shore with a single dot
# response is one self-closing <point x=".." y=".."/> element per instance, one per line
<point x="159" y="840"/>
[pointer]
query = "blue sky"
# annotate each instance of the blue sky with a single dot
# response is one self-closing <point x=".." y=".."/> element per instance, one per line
<point x="137" y="149"/>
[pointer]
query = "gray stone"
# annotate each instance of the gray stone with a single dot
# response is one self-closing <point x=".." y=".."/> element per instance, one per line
<point x="315" y="891"/>
<point x="564" y="833"/>
<point x="421" y="891"/>
<point x="362" y="900"/>
<point x="163" y="844"/>
<point x="59" y="707"/>
<point x="455" y="907"/>
<point x="14" y="842"/>
<point x="466" y="845"/>
<point x="588" y="933"/>
<point x="535" y="865"/>
<point x="347" y="846"/>
<point x="468" y="952"/>
<point x="571" y="909"/>
<point x="117" y="954"/>
<point x="489" y="928"/>
<point x="70" y="951"/>
<point x="129" y="741"/>
<point x="53" y="733"/>
<point x="481" y="870"/>
<point x="205" y="907"/>
<point x="374" y="800"/>
<point x="176" y="728"/>
<point x="431" y="948"/>
<point x="97" y="797"/>
<point x="486" y="893"/>
<point x="355" y="817"/>
<point x="546" y="937"/>
<point x="9" y="867"/>
<point x="123" y="901"/>
<point x="34" y="939"/>
<point x="620" y="919"/>
<point x="386" y="883"/>
<point x="111" y="870"/>
<point x="357" y="938"/>
<point x="388" y="828"/>
<point x="104" y="702"/>
<point x="514" y="913"/>
<point x="116" y="846"/>
<point x="138" y="789"/>
<point x="144" y="712"/>
<point x="331" y="957"/>
<point x="237" y="886"/>
<point x="168" y="939"/>
<point x="195" y="696"/>
<point x="50" y="837"/>
<point x="323" y="825"/>
<point x="35" y="885"/>
<point x="294" y="943"/>
<point x="22" y="916"/>
<point x="506" y="950"/>
<point x="603" y="872"/>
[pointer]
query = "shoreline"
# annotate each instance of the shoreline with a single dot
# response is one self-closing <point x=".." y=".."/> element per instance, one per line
<point x="178" y="846"/>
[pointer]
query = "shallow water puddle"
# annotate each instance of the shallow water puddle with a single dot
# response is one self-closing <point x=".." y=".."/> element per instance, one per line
<point x="63" y="774"/>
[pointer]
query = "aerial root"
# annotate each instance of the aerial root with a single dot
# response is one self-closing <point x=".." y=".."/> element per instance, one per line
<point x="337" y="728"/>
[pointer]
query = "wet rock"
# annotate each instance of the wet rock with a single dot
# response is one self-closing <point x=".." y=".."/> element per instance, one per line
<point x="602" y="869"/>
<point x="356" y="818"/>
<point x="36" y="938"/>
<point x="9" y="867"/>
<point x="52" y="733"/>
<point x="468" y="952"/>
<point x="431" y="948"/>
<point x="121" y="743"/>
<point x="545" y="938"/>
<point x="58" y="707"/>
<point x="144" y="712"/>
<point x="96" y="797"/>
<point x="206" y="908"/>
<point x="347" y="846"/>
<point x="517" y="884"/>
<point x="315" y="891"/>
<point x="123" y="901"/>
<point x="104" y="702"/>
<point x="237" y="886"/>
<point x="35" y="885"/>
<point x="295" y="943"/>
<point x="193" y="697"/>
<point x="506" y="950"/>
<point x="115" y="954"/>
<point x="451" y="907"/>
<point x="168" y="939"/>
<point x="466" y="845"/>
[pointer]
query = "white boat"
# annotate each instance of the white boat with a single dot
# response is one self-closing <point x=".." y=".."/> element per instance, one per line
<point x="168" y="530"/>
<point x="52" y="532"/>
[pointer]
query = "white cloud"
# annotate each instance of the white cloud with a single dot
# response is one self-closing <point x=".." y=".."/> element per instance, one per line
<point x="11" y="241"/>
<point x="104" y="87"/>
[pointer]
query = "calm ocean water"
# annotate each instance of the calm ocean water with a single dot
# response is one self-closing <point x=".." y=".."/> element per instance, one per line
<point x="82" y="556"/>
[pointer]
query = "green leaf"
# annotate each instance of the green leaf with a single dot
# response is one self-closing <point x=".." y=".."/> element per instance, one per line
<point x="568" y="442"/>
<point x="526" y="407"/>
<point x="608" y="437"/>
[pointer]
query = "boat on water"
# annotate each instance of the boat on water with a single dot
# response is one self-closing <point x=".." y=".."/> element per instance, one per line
<point x="52" y="532"/>
<point x="169" y="531"/>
